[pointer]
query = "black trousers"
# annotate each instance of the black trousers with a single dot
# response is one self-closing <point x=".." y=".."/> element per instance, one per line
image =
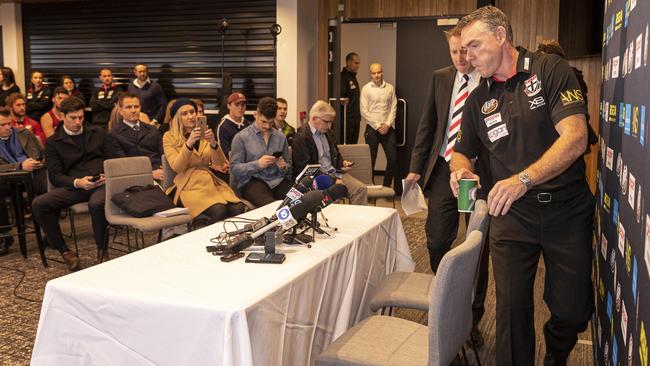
<point x="260" y="194"/>
<point x="352" y="130"/>
<point x="46" y="210"/>
<point x="220" y="211"/>
<point x="442" y="227"/>
<point x="389" y="143"/>
<point x="562" y="232"/>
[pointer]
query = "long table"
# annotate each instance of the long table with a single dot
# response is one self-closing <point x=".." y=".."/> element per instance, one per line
<point x="175" y="304"/>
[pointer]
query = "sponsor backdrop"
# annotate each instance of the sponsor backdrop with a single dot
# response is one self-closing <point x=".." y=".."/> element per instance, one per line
<point x="622" y="252"/>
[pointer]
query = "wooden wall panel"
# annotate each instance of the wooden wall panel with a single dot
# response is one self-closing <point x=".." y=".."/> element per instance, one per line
<point x="591" y="69"/>
<point x="532" y="20"/>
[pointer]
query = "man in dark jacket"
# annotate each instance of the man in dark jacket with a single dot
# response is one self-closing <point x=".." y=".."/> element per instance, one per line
<point x="150" y="92"/>
<point x="314" y="144"/>
<point x="350" y="89"/>
<point x="19" y="151"/>
<point x="104" y="98"/>
<point x="130" y="137"/>
<point x="75" y="158"/>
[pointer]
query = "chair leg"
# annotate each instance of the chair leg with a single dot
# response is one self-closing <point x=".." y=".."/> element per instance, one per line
<point x="390" y="311"/>
<point x="128" y="238"/>
<point x="464" y="355"/>
<point x="73" y="230"/>
<point x="393" y="201"/>
<point x="159" y="236"/>
<point x="142" y="238"/>
<point x="478" y="360"/>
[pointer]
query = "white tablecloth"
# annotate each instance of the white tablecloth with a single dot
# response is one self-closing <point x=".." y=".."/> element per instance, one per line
<point x="175" y="304"/>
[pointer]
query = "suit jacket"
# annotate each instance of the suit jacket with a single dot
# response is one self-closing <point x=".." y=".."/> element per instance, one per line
<point x="123" y="141"/>
<point x="304" y="150"/>
<point x="30" y="144"/>
<point x="433" y="123"/>
<point x="66" y="161"/>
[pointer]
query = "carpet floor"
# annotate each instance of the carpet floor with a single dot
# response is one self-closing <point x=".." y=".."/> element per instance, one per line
<point x="22" y="283"/>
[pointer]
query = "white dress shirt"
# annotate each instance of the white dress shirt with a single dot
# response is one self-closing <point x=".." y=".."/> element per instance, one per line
<point x="378" y="104"/>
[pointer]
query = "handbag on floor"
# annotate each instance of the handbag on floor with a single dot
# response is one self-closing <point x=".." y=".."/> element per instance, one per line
<point x="142" y="201"/>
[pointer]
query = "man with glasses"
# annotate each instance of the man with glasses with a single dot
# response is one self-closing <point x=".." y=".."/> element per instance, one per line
<point x="233" y="122"/>
<point x="314" y="144"/>
<point x="259" y="158"/>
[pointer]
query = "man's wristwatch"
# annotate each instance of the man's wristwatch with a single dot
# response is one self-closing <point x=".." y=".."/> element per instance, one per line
<point x="525" y="178"/>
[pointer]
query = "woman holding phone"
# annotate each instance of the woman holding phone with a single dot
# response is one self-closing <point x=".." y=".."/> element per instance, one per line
<point x="191" y="150"/>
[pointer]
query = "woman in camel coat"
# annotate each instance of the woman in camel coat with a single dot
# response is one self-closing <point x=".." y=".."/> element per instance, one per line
<point x="191" y="156"/>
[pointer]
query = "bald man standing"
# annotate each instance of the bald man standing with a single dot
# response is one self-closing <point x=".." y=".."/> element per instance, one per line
<point x="378" y="111"/>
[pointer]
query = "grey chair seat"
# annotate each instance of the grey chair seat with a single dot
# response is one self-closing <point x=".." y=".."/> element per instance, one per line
<point x="151" y="223"/>
<point x="383" y="192"/>
<point x="379" y="340"/>
<point x="410" y="290"/>
<point x="80" y="208"/>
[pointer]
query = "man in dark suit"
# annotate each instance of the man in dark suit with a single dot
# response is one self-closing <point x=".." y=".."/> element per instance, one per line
<point x="75" y="158"/>
<point x="434" y="142"/>
<point x="314" y="144"/>
<point x="130" y="137"/>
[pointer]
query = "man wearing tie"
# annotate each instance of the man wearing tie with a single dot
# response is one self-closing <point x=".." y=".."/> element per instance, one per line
<point x="434" y="142"/>
<point x="130" y="137"/>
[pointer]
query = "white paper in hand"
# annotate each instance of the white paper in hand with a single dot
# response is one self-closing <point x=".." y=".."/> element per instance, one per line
<point x="412" y="197"/>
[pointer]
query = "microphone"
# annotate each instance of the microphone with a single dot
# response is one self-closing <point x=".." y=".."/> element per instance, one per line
<point x="322" y="182"/>
<point x="333" y="194"/>
<point x="308" y="202"/>
<point x="302" y="186"/>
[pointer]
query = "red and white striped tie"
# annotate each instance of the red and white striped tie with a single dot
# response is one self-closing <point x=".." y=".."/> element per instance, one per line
<point x="456" y="117"/>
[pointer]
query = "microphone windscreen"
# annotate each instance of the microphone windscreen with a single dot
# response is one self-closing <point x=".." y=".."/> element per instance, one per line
<point x="323" y="182"/>
<point x="308" y="203"/>
<point x="304" y="184"/>
<point x="336" y="192"/>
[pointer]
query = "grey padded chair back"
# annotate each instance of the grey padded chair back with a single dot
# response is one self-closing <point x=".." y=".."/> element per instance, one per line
<point x="450" y="308"/>
<point x="360" y="155"/>
<point x="479" y="219"/>
<point x="121" y="174"/>
<point x="169" y="173"/>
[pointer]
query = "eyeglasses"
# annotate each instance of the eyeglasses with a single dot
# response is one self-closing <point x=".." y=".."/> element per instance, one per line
<point x="325" y="120"/>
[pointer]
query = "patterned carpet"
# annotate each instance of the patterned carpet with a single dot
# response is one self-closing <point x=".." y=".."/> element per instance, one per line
<point x="21" y="307"/>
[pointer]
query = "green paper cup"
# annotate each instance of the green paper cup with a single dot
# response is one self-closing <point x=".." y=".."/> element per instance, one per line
<point x="467" y="194"/>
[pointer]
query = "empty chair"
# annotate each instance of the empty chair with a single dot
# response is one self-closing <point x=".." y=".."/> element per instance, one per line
<point x="362" y="170"/>
<point x="411" y="289"/>
<point x="384" y="340"/>
<point x="123" y="173"/>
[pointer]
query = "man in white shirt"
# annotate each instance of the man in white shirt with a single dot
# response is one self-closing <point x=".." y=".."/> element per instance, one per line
<point x="378" y="110"/>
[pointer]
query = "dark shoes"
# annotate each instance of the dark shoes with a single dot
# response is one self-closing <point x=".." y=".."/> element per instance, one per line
<point x="5" y="243"/>
<point x="71" y="261"/>
<point x="552" y="359"/>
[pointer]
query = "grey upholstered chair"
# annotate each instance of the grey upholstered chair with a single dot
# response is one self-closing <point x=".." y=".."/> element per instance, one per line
<point x="385" y="340"/>
<point x="362" y="170"/>
<point x="411" y="289"/>
<point x="121" y="174"/>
